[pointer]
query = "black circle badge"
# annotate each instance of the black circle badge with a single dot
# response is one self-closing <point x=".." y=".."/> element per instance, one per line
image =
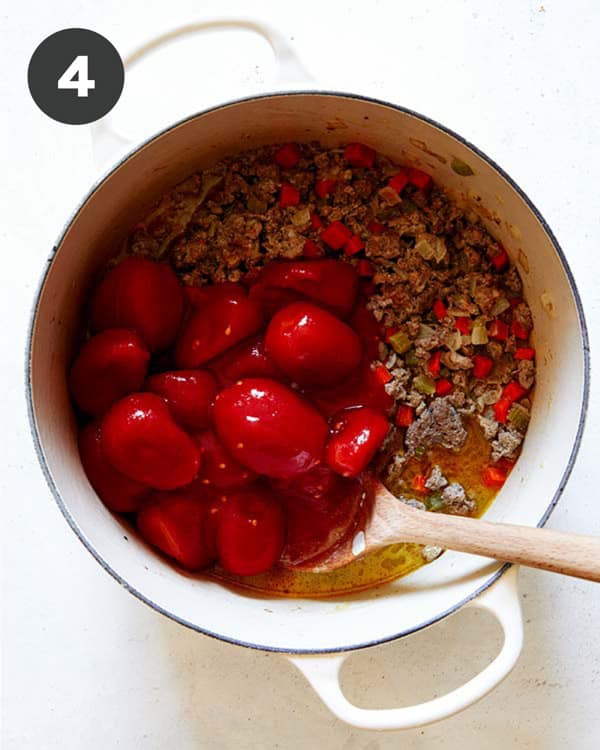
<point x="75" y="76"/>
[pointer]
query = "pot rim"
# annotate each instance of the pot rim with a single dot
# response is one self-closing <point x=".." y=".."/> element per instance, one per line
<point x="31" y="329"/>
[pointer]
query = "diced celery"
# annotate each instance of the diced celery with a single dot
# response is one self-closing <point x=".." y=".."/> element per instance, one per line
<point x="424" y="384"/>
<point x="411" y="358"/>
<point x="434" y="502"/>
<point x="400" y="342"/>
<point x="479" y="333"/>
<point x="518" y="416"/>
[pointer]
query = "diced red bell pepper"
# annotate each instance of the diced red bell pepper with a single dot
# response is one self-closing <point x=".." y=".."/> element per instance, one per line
<point x="365" y="268"/>
<point x="500" y="261"/>
<point x="514" y="301"/>
<point x="316" y="221"/>
<point x="324" y="187"/>
<point x="336" y="235"/>
<point x="514" y="391"/>
<point x="405" y="415"/>
<point x="498" y="330"/>
<point x="518" y="330"/>
<point x="383" y="374"/>
<point x="482" y="365"/>
<point x="399" y="181"/>
<point x="525" y="353"/>
<point x="419" y="179"/>
<point x="289" y="196"/>
<point x="435" y="363"/>
<point x="354" y="245"/>
<point x="439" y="309"/>
<point x="312" y="250"/>
<point x="443" y="387"/>
<point x="463" y="325"/>
<point x="376" y="227"/>
<point x="359" y="155"/>
<point x="493" y="476"/>
<point x="501" y="409"/>
<point x="418" y="484"/>
<point x="288" y="155"/>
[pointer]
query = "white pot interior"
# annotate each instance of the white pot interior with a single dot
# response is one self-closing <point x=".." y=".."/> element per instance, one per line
<point x="118" y="201"/>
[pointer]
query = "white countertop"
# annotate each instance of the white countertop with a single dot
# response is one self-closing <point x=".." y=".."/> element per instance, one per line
<point x="85" y="665"/>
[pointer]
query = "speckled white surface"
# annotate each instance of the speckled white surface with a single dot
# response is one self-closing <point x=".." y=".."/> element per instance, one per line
<point x="85" y="664"/>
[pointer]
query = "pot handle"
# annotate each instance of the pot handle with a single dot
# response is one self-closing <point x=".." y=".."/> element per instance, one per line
<point x="501" y="599"/>
<point x="107" y="140"/>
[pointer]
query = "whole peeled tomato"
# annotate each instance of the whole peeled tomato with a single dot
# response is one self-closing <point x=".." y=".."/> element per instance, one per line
<point x="142" y="295"/>
<point x="322" y="510"/>
<point x="247" y="359"/>
<point x="311" y="345"/>
<point x="179" y="524"/>
<point x="219" y="469"/>
<point x="142" y="441"/>
<point x="357" y="435"/>
<point x="251" y="531"/>
<point x="362" y="388"/>
<point x="226" y="318"/>
<point x="110" y="365"/>
<point x="189" y="395"/>
<point x="331" y="283"/>
<point x="370" y="331"/>
<point x="269" y="428"/>
<point x="119" y="493"/>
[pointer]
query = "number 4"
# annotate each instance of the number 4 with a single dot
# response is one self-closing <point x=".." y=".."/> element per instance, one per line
<point x="76" y="77"/>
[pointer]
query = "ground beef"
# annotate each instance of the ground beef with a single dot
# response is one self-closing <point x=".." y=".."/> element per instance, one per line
<point x="489" y="425"/>
<point x="440" y="424"/>
<point x="526" y="373"/>
<point x="506" y="443"/>
<point x="455" y="500"/>
<point x="436" y="480"/>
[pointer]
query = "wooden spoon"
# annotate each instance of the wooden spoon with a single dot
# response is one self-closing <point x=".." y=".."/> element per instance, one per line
<point x="394" y="521"/>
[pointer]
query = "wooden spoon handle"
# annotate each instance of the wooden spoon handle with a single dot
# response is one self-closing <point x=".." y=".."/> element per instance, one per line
<point x="570" y="554"/>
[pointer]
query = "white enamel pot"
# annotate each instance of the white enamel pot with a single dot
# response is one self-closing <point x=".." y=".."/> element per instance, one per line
<point x="316" y="634"/>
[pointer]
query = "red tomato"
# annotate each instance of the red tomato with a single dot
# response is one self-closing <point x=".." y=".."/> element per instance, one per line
<point x="370" y="331"/>
<point x="227" y="317"/>
<point x="247" y="359"/>
<point x="142" y="295"/>
<point x="322" y="510"/>
<point x="363" y="388"/>
<point x="357" y="435"/>
<point x="141" y="440"/>
<point x="178" y="524"/>
<point x="116" y="491"/>
<point x="219" y="469"/>
<point x="269" y="428"/>
<point x="109" y="366"/>
<point x="251" y="532"/>
<point x="311" y="346"/>
<point x="189" y="395"/>
<point x="331" y="283"/>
